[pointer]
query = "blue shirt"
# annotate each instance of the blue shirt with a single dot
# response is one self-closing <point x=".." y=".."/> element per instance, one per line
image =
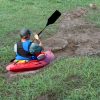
<point x="26" y="48"/>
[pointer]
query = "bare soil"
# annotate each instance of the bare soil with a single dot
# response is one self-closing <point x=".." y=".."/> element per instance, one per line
<point x="75" y="36"/>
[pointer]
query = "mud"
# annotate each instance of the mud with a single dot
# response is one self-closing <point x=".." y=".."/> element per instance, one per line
<point x="75" y="36"/>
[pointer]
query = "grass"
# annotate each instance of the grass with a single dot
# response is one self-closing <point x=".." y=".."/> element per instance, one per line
<point x="67" y="79"/>
<point x="93" y="17"/>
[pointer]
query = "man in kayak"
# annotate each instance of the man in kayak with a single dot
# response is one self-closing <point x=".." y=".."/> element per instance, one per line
<point x="26" y="50"/>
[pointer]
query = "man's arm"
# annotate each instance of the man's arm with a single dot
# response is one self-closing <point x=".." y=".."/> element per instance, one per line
<point x="38" y="40"/>
<point x="15" y="48"/>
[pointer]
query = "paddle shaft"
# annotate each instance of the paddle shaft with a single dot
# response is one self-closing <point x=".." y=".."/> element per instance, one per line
<point x="42" y="30"/>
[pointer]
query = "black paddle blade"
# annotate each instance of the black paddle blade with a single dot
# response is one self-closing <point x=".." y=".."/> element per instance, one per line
<point x="53" y="17"/>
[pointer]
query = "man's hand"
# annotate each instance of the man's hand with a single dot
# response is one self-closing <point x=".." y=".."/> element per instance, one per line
<point x="36" y="37"/>
<point x="38" y="40"/>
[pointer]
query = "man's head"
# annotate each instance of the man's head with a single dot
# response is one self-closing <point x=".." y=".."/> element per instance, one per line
<point x="25" y="33"/>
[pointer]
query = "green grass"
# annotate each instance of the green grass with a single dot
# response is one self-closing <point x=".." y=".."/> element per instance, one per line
<point x="94" y="17"/>
<point x="33" y="13"/>
<point x="78" y="80"/>
<point x="67" y="79"/>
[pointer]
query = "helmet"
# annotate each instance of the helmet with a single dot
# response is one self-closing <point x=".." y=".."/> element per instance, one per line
<point x="25" y="32"/>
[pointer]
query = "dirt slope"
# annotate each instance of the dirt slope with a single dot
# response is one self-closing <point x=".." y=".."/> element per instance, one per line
<point x="75" y="36"/>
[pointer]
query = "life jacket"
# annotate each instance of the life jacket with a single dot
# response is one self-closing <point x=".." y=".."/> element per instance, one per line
<point x="23" y="51"/>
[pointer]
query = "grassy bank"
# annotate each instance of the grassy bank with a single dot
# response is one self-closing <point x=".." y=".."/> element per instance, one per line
<point x="67" y="79"/>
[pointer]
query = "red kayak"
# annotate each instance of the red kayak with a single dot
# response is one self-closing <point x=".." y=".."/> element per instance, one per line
<point x="31" y="65"/>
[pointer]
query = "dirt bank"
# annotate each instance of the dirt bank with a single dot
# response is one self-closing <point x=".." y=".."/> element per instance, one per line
<point x="75" y="36"/>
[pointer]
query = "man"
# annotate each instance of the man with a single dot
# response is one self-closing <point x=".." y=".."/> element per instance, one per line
<point x="26" y="50"/>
